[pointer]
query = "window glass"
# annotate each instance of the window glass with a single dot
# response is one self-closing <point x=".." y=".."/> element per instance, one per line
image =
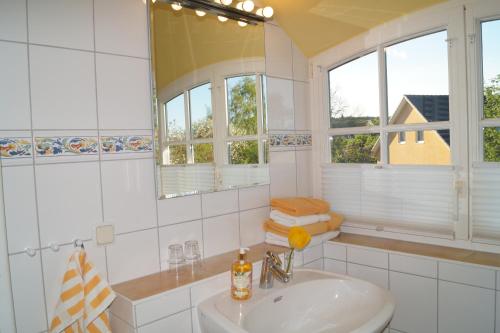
<point x="176" y="154"/>
<point x="175" y="119"/>
<point x="417" y="80"/>
<point x="434" y="150"/>
<point x="243" y="152"/>
<point x="242" y="105"/>
<point x="354" y="94"/>
<point x="491" y="68"/>
<point x="200" y="102"/>
<point x="264" y="104"/>
<point x="358" y="148"/>
<point x="491" y="144"/>
<point x="203" y="152"/>
<point x="402" y="137"/>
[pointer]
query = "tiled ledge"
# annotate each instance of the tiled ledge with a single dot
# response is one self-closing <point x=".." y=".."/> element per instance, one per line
<point x="158" y="283"/>
<point x="440" y="252"/>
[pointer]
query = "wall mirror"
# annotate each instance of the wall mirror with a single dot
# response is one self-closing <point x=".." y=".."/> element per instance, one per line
<point x="209" y="102"/>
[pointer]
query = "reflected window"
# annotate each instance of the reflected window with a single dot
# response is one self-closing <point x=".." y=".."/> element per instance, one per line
<point x="401" y="137"/>
<point x="491" y="144"/>
<point x="491" y="68"/>
<point x="354" y="93"/>
<point x="419" y="136"/>
<point x="417" y="77"/>
<point x="189" y="127"/>
<point x="246" y="119"/>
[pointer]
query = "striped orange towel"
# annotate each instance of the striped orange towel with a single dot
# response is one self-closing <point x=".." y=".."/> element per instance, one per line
<point x="84" y="299"/>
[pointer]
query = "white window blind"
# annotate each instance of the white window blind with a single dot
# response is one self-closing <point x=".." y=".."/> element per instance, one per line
<point x="240" y="175"/>
<point x="186" y="179"/>
<point x="485" y="203"/>
<point x="421" y="199"/>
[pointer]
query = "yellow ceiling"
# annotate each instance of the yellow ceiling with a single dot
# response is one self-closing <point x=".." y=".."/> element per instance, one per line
<point x="317" y="25"/>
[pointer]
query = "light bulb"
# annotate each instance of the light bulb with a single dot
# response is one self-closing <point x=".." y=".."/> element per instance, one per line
<point x="222" y="18"/>
<point x="226" y="2"/>
<point x="248" y="5"/>
<point x="242" y="24"/>
<point x="200" y="13"/>
<point x="268" y="12"/>
<point x="217" y="1"/>
<point x="259" y="12"/>
<point x="153" y="1"/>
<point x="239" y="5"/>
<point x="176" y="6"/>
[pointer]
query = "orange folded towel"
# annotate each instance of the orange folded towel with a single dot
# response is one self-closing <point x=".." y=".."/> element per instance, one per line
<point x="299" y="206"/>
<point x="84" y="299"/>
<point x="313" y="229"/>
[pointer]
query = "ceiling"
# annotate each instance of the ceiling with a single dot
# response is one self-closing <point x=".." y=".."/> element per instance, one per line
<point x="317" y="25"/>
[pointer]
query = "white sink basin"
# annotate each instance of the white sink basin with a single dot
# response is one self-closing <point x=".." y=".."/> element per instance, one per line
<point x="314" y="301"/>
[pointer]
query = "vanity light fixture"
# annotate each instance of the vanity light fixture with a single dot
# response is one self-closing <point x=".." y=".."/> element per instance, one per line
<point x="243" y="13"/>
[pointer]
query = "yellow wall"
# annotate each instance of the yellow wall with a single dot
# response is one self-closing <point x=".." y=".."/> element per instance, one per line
<point x="434" y="150"/>
<point x="184" y="42"/>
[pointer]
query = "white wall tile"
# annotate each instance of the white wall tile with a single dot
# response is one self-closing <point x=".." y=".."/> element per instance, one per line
<point x="335" y="266"/>
<point x="178" y="323"/>
<point x="218" y="203"/>
<point x="465" y="309"/>
<point x="179" y="233"/>
<point x="374" y="275"/>
<point x="195" y="321"/>
<point x="162" y="306"/>
<point x="368" y="257"/>
<point x="413" y="265"/>
<point x="304" y="173"/>
<point x="27" y="287"/>
<point x="282" y="170"/>
<point x="254" y="197"/>
<point x="128" y="189"/>
<point x="61" y="23"/>
<point x="55" y="265"/>
<point x="20" y="208"/>
<point x="13" y="20"/>
<point x="497" y="315"/>
<point x="210" y="287"/>
<point x="133" y="255"/>
<point x="301" y="105"/>
<point x="180" y="209"/>
<point x="119" y="326"/>
<point x="121" y="27"/>
<point x="317" y="264"/>
<point x="124" y="309"/>
<point x="335" y="251"/>
<point x="123" y="91"/>
<point x="14" y="87"/>
<point x="69" y="201"/>
<point x="300" y="64"/>
<point x="468" y="274"/>
<point x="416" y="303"/>
<point x="62" y="88"/>
<point x="312" y="253"/>
<point x="280" y="104"/>
<point x="251" y="230"/>
<point x="278" y="52"/>
<point x="220" y="234"/>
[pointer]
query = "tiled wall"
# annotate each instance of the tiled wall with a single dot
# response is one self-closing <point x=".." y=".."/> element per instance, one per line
<point x="75" y="140"/>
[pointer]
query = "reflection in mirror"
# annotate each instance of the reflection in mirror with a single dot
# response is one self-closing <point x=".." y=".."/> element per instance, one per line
<point x="210" y="102"/>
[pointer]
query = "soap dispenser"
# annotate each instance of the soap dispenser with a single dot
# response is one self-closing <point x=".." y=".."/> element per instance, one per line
<point x="241" y="277"/>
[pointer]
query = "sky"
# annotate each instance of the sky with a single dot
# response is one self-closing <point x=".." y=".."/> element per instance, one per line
<point x="416" y="66"/>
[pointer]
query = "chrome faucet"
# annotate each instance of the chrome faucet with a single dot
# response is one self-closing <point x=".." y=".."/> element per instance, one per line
<point x="271" y="268"/>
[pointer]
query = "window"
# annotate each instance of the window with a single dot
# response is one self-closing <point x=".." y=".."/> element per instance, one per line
<point x="401" y="137"/>
<point x="419" y="136"/>
<point x="246" y="120"/>
<point x="189" y="127"/>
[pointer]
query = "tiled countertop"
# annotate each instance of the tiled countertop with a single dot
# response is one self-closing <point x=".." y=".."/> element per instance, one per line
<point x="158" y="283"/>
<point x="440" y="252"/>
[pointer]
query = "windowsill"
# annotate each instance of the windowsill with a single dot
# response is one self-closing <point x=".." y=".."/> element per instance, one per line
<point x="435" y="251"/>
<point x="161" y="282"/>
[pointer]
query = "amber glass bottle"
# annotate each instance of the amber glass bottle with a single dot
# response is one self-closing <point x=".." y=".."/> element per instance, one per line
<point x="241" y="277"/>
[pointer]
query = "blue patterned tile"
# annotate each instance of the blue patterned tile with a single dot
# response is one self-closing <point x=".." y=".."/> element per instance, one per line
<point x="15" y="147"/>
<point x="64" y="146"/>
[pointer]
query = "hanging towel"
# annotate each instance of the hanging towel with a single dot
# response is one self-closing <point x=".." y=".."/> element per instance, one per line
<point x="315" y="240"/>
<point x="290" y="220"/>
<point x="299" y="206"/>
<point x="84" y="299"/>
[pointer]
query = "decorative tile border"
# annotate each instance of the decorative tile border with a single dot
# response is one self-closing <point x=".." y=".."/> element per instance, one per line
<point x="15" y="147"/>
<point x="66" y="146"/>
<point x="126" y="144"/>
<point x="290" y="140"/>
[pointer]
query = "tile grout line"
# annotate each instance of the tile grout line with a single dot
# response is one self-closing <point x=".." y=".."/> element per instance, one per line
<point x="35" y="187"/>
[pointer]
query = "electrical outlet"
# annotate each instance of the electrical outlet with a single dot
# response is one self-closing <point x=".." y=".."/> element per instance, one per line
<point x="105" y="234"/>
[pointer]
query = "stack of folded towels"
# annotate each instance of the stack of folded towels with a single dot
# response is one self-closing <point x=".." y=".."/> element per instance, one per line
<point x="313" y="215"/>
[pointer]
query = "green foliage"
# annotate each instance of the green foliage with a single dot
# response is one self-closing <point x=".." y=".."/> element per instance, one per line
<point x="242" y="107"/>
<point x="244" y="152"/>
<point x="353" y="148"/>
<point x="491" y="109"/>
<point x="203" y="153"/>
<point x="177" y="154"/>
